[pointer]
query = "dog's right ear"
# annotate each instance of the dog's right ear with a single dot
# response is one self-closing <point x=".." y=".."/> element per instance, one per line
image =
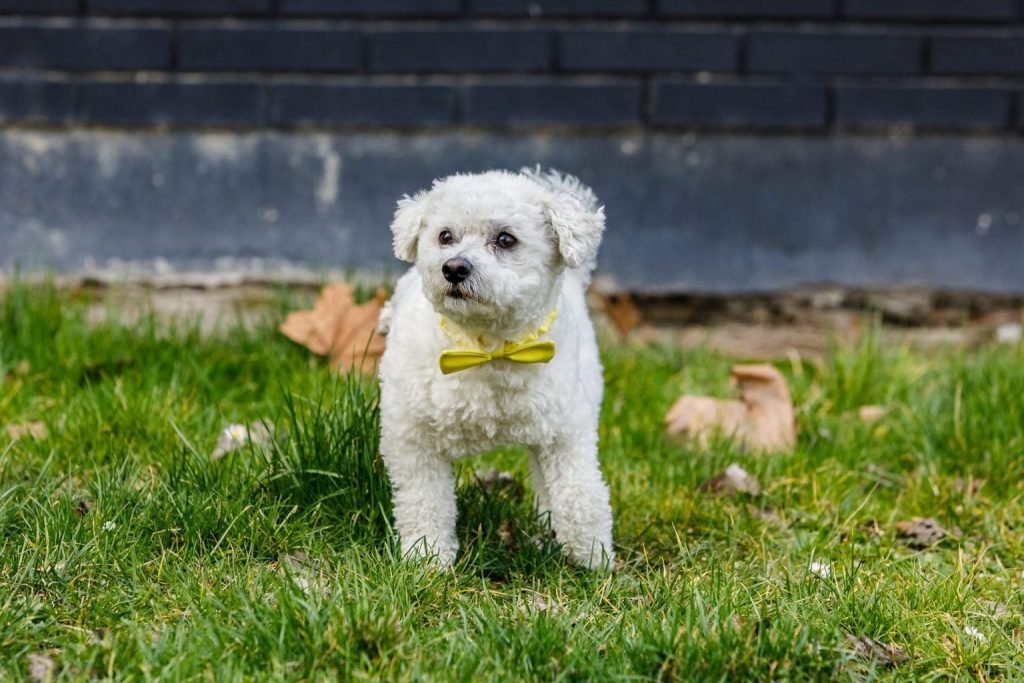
<point x="406" y="226"/>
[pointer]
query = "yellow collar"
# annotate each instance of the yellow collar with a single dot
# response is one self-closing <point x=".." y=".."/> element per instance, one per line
<point x="528" y="349"/>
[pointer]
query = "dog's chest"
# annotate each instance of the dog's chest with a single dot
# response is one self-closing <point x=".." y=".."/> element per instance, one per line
<point x="492" y="407"/>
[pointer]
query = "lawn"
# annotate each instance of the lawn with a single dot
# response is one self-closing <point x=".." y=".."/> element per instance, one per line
<point x="127" y="552"/>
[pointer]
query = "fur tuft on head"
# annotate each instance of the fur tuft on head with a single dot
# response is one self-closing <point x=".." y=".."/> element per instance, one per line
<point x="573" y="213"/>
<point x="407" y="223"/>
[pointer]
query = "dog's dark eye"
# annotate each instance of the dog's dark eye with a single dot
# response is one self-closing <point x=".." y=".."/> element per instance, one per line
<point x="506" y="241"/>
<point x="445" y="237"/>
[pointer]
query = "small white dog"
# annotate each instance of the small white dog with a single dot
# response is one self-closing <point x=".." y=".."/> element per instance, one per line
<point x="489" y="344"/>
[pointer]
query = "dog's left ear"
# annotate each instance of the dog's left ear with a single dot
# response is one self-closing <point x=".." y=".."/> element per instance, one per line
<point x="406" y="226"/>
<point x="573" y="213"/>
<point x="578" y="227"/>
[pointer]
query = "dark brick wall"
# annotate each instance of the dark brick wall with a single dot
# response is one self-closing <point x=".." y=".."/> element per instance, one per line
<point x="810" y="66"/>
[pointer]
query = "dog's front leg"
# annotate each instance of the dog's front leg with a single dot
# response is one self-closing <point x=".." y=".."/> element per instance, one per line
<point x="581" y="513"/>
<point x="423" y="490"/>
<point x="540" y="492"/>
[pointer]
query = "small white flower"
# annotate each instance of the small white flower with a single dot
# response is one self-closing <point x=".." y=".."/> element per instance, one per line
<point x="235" y="436"/>
<point x="975" y="633"/>
<point x="109" y="525"/>
<point x="820" y="569"/>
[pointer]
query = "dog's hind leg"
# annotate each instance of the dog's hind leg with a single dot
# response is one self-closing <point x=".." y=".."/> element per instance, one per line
<point x="423" y="490"/>
<point x="581" y="513"/>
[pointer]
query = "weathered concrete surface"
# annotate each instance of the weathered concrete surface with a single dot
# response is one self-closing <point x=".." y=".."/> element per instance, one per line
<point x="685" y="213"/>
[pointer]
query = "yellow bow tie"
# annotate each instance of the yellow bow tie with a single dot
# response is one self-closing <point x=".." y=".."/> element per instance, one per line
<point x="454" y="360"/>
<point x="527" y="350"/>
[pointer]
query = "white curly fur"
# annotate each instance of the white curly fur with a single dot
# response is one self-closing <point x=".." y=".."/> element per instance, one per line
<point x="430" y="420"/>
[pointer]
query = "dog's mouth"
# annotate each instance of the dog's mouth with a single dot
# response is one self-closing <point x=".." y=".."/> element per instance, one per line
<point x="459" y="293"/>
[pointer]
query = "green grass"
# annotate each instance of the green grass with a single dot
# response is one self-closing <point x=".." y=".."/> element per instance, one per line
<point x="127" y="553"/>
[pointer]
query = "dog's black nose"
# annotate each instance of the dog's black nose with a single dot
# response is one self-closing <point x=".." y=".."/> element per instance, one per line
<point x="457" y="269"/>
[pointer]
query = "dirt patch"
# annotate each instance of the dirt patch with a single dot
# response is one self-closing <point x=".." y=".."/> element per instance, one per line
<point x="771" y="326"/>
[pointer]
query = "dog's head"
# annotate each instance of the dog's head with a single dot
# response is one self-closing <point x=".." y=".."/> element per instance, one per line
<point x="492" y="246"/>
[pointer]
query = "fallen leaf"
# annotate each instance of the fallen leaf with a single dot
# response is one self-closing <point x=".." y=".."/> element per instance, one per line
<point x="507" y="535"/>
<point x="868" y="649"/>
<point x="920" y="532"/>
<point x="870" y="414"/>
<point x="542" y="603"/>
<point x="498" y="482"/>
<point x="622" y="311"/>
<point x="41" y="667"/>
<point x="30" y="430"/>
<point x="871" y="528"/>
<point x="731" y="481"/>
<point x="999" y="610"/>
<point x="762" y="420"/>
<point x="236" y="436"/>
<point x="340" y="329"/>
<point x="969" y="487"/>
<point x="304" y="573"/>
<point x="82" y="507"/>
<point x="767" y="513"/>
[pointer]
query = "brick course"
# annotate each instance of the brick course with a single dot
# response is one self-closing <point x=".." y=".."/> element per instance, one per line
<point x="642" y="51"/>
<point x="933" y="107"/>
<point x="48" y="46"/>
<point x="458" y="51"/>
<point x="528" y="102"/>
<point x="776" y="106"/>
<point x="266" y="48"/>
<point x="834" y="52"/>
<point x="36" y="100"/>
<point x="801" y="66"/>
<point x="361" y="104"/>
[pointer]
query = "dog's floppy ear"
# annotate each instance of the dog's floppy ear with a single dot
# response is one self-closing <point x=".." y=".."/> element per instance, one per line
<point x="573" y="213"/>
<point x="406" y="226"/>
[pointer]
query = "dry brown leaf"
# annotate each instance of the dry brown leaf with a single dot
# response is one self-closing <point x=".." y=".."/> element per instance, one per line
<point x="871" y="414"/>
<point x="622" y="311"/>
<point x="762" y="419"/>
<point x="28" y="430"/>
<point x="507" y="535"/>
<point x="920" y="532"/>
<point x="868" y="649"/>
<point x="731" y="481"/>
<point x="339" y="328"/>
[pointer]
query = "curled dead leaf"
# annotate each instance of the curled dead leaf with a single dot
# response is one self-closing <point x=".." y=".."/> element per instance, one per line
<point x="732" y="481"/>
<point x="762" y="420"/>
<point x="28" y="430"/>
<point x="339" y="328"/>
<point x="621" y="311"/>
<point x="871" y="650"/>
<point x="920" y="532"/>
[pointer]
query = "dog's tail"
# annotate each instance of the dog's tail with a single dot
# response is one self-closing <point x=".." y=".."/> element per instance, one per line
<point x="556" y="181"/>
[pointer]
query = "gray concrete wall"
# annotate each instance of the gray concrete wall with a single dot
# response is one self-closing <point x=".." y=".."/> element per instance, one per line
<point x="708" y="213"/>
